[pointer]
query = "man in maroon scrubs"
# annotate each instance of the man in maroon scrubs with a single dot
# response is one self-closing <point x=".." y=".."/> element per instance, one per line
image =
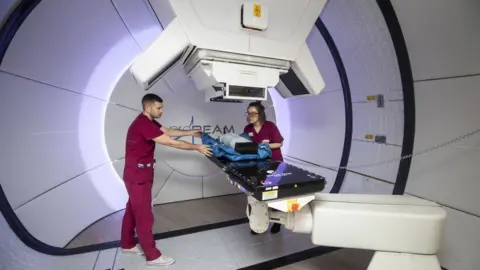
<point x="262" y="131"/>
<point x="138" y="174"/>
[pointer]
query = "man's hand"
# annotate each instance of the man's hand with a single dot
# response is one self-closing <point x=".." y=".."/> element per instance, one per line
<point x="204" y="149"/>
<point x="196" y="133"/>
<point x="166" y="140"/>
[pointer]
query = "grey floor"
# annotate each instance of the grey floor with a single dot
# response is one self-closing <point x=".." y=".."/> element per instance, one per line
<point x="168" y="217"/>
<point x="227" y="248"/>
<point x="233" y="247"/>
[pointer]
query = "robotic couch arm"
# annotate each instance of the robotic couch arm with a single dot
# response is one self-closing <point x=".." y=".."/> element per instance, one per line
<point x="406" y="232"/>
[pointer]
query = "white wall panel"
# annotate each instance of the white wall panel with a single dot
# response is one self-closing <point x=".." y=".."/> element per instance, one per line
<point x="365" y="45"/>
<point x="127" y="93"/>
<point x="282" y="117"/>
<point x="140" y="21"/>
<point x="60" y="214"/>
<point x="320" y="117"/>
<point x="118" y="166"/>
<point x="387" y="121"/>
<point x="462" y="241"/>
<point x="324" y="60"/>
<point x="367" y="153"/>
<point x="363" y="40"/>
<point x="59" y="135"/>
<point x="72" y="52"/>
<point x="48" y="142"/>
<point x="441" y="35"/>
<point x="218" y="184"/>
<point x="180" y="187"/>
<point x="447" y="109"/>
<point x="117" y="121"/>
<point x="6" y="6"/>
<point x="359" y="184"/>
<point x="317" y="128"/>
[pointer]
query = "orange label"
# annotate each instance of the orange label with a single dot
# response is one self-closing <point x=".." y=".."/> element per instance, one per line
<point x="292" y="205"/>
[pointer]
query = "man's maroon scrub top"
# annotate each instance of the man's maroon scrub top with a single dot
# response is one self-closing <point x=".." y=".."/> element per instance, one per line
<point x="140" y="148"/>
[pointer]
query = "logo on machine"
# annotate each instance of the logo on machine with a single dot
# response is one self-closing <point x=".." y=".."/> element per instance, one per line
<point x="278" y="174"/>
<point x="208" y="129"/>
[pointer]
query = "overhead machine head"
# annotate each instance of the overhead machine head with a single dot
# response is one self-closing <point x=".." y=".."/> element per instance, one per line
<point x="235" y="50"/>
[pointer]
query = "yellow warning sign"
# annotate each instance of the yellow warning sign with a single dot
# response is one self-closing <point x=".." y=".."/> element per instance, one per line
<point x="369" y="136"/>
<point x="257" y="10"/>
<point x="270" y="195"/>
<point x="371" y="98"/>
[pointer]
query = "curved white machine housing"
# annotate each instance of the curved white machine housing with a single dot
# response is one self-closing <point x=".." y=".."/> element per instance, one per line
<point x="236" y="50"/>
<point x="405" y="231"/>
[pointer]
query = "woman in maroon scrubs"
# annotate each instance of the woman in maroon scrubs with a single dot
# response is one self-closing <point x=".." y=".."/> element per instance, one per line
<point x="262" y="131"/>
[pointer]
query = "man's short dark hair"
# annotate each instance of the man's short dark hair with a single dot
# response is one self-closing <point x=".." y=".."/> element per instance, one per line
<point x="151" y="98"/>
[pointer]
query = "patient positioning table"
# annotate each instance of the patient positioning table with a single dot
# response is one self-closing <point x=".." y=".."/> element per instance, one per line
<point x="406" y="232"/>
<point x="268" y="180"/>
